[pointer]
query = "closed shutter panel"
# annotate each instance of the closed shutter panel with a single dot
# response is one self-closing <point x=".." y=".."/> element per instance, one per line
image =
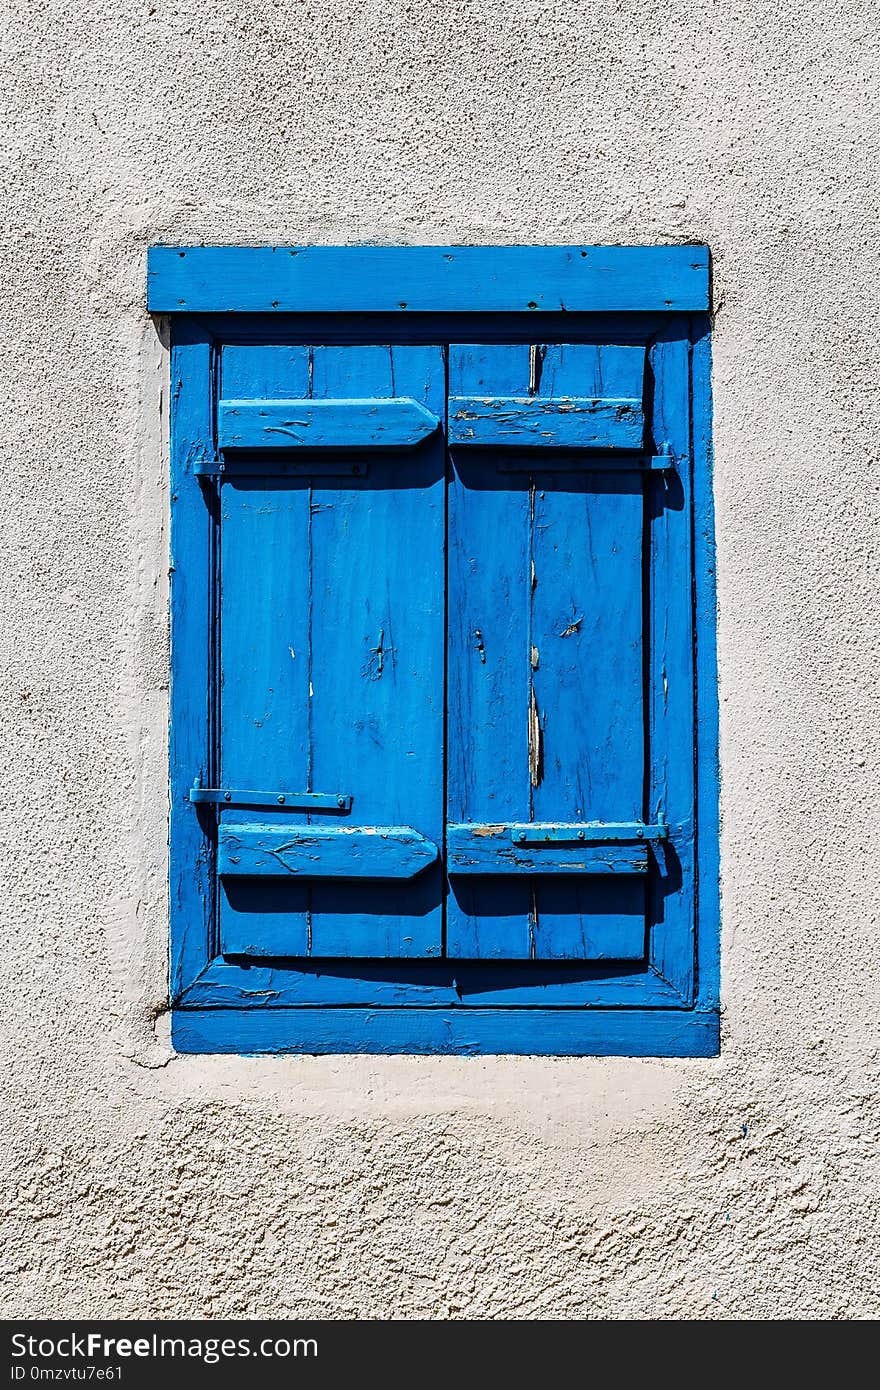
<point x="550" y="840"/>
<point x="331" y="630"/>
<point x="360" y="588"/>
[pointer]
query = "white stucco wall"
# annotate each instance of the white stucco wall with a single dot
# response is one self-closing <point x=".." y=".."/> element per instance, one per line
<point x="144" y="1184"/>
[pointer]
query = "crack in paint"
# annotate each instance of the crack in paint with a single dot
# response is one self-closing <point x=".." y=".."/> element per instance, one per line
<point x="535" y="743"/>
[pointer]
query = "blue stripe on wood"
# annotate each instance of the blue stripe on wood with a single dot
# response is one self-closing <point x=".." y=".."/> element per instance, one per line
<point x="469" y="1032"/>
<point x="323" y="424"/>
<point x="265" y="623"/>
<point x="587" y="655"/>
<point x="545" y="422"/>
<point x="487" y="664"/>
<point x="321" y="851"/>
<point x="418" y="279"/>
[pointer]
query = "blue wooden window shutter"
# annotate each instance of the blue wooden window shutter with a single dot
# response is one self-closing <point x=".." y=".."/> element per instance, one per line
<point x="444" y="712"/>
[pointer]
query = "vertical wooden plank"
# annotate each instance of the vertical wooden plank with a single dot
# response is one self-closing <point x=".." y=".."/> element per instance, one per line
<point x="377" y="657"/>
<point x="590" y="918"/>
<point x="671" y="784"/>
<point x="488" y="671"/>
<point x="191" y="864"/>
<point x="264" y="627"/>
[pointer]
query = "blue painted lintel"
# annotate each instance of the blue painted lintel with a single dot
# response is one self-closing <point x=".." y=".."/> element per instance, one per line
<point x="427" y="279"/>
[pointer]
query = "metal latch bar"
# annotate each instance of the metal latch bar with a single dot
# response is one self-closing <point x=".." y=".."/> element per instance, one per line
<point x="281" y="801"/>
<point x="591" y="832"/>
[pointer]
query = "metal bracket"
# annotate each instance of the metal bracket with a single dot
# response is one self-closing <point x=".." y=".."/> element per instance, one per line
<point x="280" y="801"/>
<point x="591" y="832"/>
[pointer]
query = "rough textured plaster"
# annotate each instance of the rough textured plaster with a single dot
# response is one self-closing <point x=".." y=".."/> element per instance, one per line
<point x="135" y="1184"/>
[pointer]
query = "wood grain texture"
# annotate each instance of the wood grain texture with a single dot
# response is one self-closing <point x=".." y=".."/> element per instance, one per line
<point x="491" y="734"/>
<point x="377" y="653"/>
<point x="477" y="856"/>
<point x="546" y="849"/>
<point x="432" y="279"/>
<point x="192" y="878"/>
<point x="572" y="832"/>
<point x="265" y="615"/>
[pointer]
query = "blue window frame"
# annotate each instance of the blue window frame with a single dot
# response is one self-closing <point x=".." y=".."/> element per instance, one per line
<point x="444" y="710"/>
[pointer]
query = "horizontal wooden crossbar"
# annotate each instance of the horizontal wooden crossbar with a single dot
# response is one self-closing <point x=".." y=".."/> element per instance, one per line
<point x="313" y="851"/>
<point x="533" y="461"/>
<point x="522" y="422"/>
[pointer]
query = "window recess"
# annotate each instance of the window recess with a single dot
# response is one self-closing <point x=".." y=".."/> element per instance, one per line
<point x="443" y="704"/>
